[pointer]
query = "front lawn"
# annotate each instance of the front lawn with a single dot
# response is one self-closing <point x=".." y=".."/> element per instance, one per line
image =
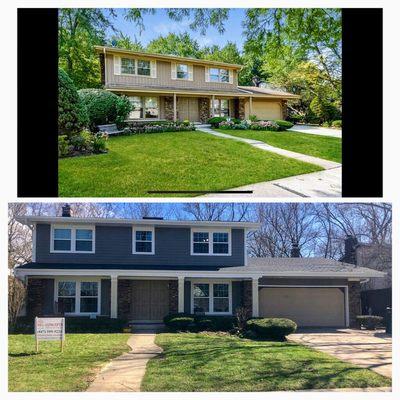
<point x="328" y="148"/>
<point x="212" y="362"/>
<point x="53" y="371"/>
<point x="172" y="161"/>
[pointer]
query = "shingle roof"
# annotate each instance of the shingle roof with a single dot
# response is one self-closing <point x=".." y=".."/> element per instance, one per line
<point x="268" y="91"/>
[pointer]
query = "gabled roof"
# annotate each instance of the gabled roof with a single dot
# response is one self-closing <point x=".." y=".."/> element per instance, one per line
<point x="269" y="92"/>
<point x="31" y="219"/>
<point x="115" y="50"/>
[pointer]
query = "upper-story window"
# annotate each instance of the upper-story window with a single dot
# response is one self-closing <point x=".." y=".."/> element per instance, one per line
<point x="71" y="239"/>
<point x="219" y="75"/>
<point x="143" y="241"/>
<point x="210" y="242"/>
<point x="182" y="71"/>
<point x="134" y="66"/>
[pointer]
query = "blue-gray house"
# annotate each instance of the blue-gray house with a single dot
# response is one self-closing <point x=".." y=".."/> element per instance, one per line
<point x="141" y="270"/>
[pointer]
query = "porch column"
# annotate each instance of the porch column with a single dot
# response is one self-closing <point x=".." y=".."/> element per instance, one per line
<point x="212" y="105"/>
<point x="114" y="296"/>
<point x="250" y="105"/>
<point x="174" y="107"/>
<point x="254" y="293"/>
<point x="181" y="294"/>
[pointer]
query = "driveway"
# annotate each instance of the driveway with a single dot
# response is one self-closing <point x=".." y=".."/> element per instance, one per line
<point x="367" y="349"/>
<point x="317" y="130"/>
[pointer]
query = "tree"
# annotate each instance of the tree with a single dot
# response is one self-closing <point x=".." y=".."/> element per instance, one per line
<point x="124" y="42"/>
<point x="16" y="300"/>
<point x="228" y="53"/>
<point x="175" y="44"/>
<point x="79" y="30"/>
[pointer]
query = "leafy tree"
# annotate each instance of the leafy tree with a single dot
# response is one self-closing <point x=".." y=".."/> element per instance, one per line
<point x="79" y="30"/>
<point x="175" y="44"/>
<point x="72" y="114"/>
<point x="125" y="42"/>
<point x="228" y="53"/>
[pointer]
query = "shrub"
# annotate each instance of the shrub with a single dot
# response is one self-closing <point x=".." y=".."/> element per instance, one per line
<point x="63" y="146"/>
<point x="215" y="121"/>
<point x="159" y="127"/>
<point x="295" y="118"/>
<point x="283" y="125"/>
<point x="222" y="323"/>
<point x="369" y="322"/>
<point x="180" y="323"/>
<point x="253" y="118"/>
<point x="271" y="328"/>
<point x="16" y="299"/>
<point x="337" y="123"/>
<point x="77" y="325"/>
<point x="83" y="142"/>
<point x="104" y="107"/>
<point x="264" y="126"/>
<point x="242" y="315"/>
<point x="323" y="110"/>
<point x="72" y="113"/>
<point x="100" y="142"/>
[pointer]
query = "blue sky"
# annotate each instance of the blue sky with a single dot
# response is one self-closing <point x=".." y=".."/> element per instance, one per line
<point x="159" y="24"/>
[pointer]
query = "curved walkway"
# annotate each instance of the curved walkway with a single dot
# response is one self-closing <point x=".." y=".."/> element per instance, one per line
<point x="125" y="372"/>
<point x="327" y="183"/>
<point x="317" y="130"/>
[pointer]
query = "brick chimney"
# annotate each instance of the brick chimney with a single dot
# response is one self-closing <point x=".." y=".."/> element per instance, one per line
<point x="350" y="245"/>
<point x="66" y="210"/>
<point x="295" y="251"/>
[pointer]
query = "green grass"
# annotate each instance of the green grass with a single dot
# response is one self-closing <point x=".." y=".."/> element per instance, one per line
<point x="211" y="362"/>
<point x="172" y="161"/>
<point x="53" y="371"/>
<point x="328" y="148"/>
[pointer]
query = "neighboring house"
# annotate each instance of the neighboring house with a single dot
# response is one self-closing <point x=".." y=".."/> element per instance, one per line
<point x="141" y="270"/>
<point x="178" y="88"/>
<point x="376" y="293"/>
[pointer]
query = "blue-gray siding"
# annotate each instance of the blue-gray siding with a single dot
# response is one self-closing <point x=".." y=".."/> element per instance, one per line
<point x="114" y="246"/>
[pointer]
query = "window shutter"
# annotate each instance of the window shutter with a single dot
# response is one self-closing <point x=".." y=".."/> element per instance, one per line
<point x="153" y="69"/>
<point x="117" y="65"/>
<point x="173" y="70"/>
<point x="207" y="74"/>
<point x="190" y="69"/>
<point x="231" y="76"/>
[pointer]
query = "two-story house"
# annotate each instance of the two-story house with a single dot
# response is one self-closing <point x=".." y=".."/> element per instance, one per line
<point x="178" y="88"/>
<point x="141" y="270"/>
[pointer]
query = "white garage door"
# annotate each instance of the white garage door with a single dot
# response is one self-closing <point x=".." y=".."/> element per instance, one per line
<point x="306" y="306"/>
<point x="267" y="110"/>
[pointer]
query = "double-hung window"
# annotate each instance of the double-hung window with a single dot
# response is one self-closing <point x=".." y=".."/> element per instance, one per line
<point x="143" y="241"/>
<point x="131" y="66"/>
<point x="76" y="296"/>
<point x="211" y="298"/>
<point x="219" y="75"/>
<point x="213" y="242"/>
<point x="128" y="66"/>
<point x="182" y="71"/>
<point x="143" y="67"/>
<point x="70" y="239"/>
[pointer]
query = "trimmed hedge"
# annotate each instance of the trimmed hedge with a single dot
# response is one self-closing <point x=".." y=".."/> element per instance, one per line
<point x="215" y="121"/>
<point x="72" y="113"/>
<point x="104" y="107"/>
<point x="283" y="125"/>
<point x="179" y="322"/>
<point x="369" y="322"/>
<point x="271" y="328"/>
<point x="77" y="325"/>
<point x="337" y="123"/>
<point x="198" y="323"/>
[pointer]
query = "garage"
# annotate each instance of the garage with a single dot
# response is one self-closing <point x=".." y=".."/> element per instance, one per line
<point x="268" y="110"/>
<point x="307" y="306"/>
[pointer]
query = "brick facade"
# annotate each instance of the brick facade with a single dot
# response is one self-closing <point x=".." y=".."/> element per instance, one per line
<point x="354" y="303"/>
<point x="124" y="298"/>
<point x="204" y="109"/>
<point x="241" y="109"/>
<point x="169" y="108"/>
<point x="173" y="296"/>
<point x="35" y="297"/>
<point x="247" y="296"/>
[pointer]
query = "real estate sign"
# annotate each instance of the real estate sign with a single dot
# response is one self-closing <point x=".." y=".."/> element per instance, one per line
<point x="49" y="329"/>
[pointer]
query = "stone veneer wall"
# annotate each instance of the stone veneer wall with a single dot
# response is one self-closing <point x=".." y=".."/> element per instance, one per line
<point x="35" y="297"/>
<point x="241" y="109"/>
<point x="247" y="296"/>
<point x="124" y="298"/>
<point x="354" y="303"/>
<point x="284" y="109"/>
<point x="204" y="109"/>
<point x="173" y="296"/>
<point x="169" y="108"/>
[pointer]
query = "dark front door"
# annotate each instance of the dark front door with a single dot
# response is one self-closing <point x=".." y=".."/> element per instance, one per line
<point x="149" y="300"/>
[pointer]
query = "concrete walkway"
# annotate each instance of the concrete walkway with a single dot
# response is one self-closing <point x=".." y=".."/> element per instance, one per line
<point x="327" y="183"/>
<point x="317" y="130"/>
<point x="363" y="348"/>
<point x="125" y="373"/>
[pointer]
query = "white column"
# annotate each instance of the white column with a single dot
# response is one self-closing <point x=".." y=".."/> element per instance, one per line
<point x="114" y="296"/>
<point x="174" y="107"/>
<point x="181" y="294"/>
<point x="254" y="293"/>
<point x="212" y="106"/>
<point x="251" y="106"/>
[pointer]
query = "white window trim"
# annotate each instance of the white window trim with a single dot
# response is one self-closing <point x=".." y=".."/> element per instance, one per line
<point x="210" y="243"/>
<point x="211" y="295"/>
<point x="153" y="67"/>
<point x="153" y="241"/>
<point x="73" y="238"/>
<point x="189" y="72"/>
<point x="143" y="107"/>
<point x="230" y="75"/>
<point x="78" y="281"/>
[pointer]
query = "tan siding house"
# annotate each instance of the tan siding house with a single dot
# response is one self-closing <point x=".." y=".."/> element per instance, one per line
<point x="178" y="88"/>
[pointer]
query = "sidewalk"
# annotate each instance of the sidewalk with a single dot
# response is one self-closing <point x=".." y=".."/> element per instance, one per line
<point x="317" y="130"/>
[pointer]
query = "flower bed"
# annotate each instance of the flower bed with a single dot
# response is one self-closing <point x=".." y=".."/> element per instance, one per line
<point x="184" y="126"/>
<point x="274" y="126"/>
<point x="83" y="143"/>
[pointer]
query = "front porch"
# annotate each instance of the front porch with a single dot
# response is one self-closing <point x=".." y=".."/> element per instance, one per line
<point x="143" y="299"/>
